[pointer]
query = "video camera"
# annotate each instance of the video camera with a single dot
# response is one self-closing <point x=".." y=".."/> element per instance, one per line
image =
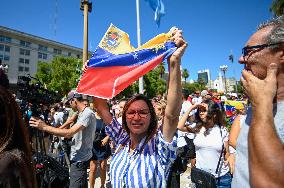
<point x="35" y="94"/>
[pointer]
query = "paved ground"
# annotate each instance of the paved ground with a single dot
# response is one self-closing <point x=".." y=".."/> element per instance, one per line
<point x="185" y="181"/>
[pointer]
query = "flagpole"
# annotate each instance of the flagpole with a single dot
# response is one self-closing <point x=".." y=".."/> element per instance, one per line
<point x="141" y="87"/>
<point x="236" y="82"/>
<point x="86" y="7"/>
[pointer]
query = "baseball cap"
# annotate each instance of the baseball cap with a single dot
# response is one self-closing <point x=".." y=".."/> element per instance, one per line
<point x="204" y="93"/>
<point x="73" y="94"/>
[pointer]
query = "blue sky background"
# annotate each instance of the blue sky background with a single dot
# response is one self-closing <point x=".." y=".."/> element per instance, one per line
<point x="212" y="27"/>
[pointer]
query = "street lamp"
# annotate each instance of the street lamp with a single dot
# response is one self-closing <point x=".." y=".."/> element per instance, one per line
<point x="85" y="6"/>
<point x="224" y="68"/>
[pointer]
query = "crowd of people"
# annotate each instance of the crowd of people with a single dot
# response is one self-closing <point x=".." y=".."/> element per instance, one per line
<point x="150" y="142"/>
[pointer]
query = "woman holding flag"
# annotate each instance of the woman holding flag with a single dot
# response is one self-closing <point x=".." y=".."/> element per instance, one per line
<point x="145" y="152"/>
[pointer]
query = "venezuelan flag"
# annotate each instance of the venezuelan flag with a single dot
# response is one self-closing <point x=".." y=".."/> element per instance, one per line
<point x="231" y="106"/>
<point x="116" y="64"/>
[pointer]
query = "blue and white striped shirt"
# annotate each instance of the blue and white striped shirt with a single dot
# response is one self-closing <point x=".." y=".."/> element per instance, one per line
<point x="147" y="166"/>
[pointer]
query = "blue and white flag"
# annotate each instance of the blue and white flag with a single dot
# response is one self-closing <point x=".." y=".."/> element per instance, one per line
<point x="159" y="8"/>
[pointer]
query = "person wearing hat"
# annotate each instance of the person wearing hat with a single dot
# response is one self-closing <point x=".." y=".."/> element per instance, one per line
<point x="205" y="95"/>
<point x="197" y="99"/>
<point x="82" y="133"/>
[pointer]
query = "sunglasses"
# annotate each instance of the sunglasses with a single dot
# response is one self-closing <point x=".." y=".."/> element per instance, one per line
<point x="246" y="50"/>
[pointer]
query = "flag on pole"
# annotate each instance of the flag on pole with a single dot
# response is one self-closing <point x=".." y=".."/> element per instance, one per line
<point x="231" y="58"/>
<point x="159" y="8"/>
<point x="116" y="64"/>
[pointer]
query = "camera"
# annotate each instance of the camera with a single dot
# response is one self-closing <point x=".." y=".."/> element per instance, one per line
<point x="35" y="94"/>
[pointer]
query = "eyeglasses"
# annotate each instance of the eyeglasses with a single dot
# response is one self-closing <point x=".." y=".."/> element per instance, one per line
<point x="246" y="50"/>
<point x="141" y="113"/>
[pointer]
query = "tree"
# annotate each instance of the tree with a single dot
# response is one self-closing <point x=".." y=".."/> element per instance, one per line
<point x="185" y="74"/>
<point x="153" y="84"/>
<point x="239" y="87"/>
<point x="277" y="7"/>
<point x="192" y="87"/>
<point x="161" y="69"/>
<point x="60" y="75"/>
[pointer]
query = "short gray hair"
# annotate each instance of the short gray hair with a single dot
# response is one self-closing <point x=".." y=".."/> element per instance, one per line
<point x="277" y="33"/>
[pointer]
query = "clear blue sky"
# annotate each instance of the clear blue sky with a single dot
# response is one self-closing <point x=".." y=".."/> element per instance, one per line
<point x="212" y="27"/>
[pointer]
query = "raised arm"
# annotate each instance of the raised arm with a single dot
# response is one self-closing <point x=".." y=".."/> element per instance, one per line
<point x="103" y="110"/>
<point x="174" y="97"/>
<point x="183" y="120"/>
<point x="266" y="152"/>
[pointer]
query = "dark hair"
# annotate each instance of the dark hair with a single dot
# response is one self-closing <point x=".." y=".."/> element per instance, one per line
<point x="4" y="81"/>
<point x="214" y="112"/>
<point x="14" y="135"/>
<point x="56" y="106"/>
<point x="153" y="121"/>
<point x="185" y="93"/>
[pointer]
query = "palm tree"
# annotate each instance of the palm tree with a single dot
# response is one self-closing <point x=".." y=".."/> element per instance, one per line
<point x="277" y="7"/>
<point x="161" y="68"/>
<point x="185" y="74"/>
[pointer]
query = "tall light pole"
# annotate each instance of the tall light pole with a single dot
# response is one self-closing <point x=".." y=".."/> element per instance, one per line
<point x="231" y="58"/>
<point x="224" y="68"/>
<point x="85" y="6"/>
<point x="141" y="86"/>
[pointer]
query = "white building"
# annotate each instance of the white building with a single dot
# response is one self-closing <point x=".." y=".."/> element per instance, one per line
<point x="219" y="84"/>
<point x="22" y="52"/>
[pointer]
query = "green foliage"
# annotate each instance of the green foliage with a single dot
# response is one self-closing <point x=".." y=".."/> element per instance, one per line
<point x="161" y="69"/>
<point x="153" y="84"/>
<point x="240" y="88"/>
<point x="61" y="74"/>
<point x="192" y="87"/>
<point x="185" y="74"/>
<point x="277" y="7"/>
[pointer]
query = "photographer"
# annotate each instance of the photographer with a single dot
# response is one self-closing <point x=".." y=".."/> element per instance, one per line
<point x="82" y="141"/>
<point x="3" y="77"/>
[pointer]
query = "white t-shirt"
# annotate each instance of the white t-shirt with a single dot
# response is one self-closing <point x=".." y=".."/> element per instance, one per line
<point x="197" y="100"/>
<point x="208" y="149"/>
<point x="58" y="118"/>
<point x="185" y="107"/>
